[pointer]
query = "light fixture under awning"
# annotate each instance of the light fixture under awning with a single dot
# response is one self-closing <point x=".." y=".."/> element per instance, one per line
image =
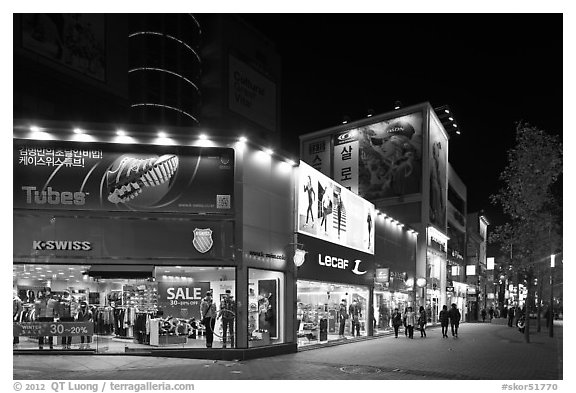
<point x="121" y="271"/>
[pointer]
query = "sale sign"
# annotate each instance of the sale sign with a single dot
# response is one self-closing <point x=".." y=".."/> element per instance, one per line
<point x="36" y="329"/>
<point x="181" y="299"/>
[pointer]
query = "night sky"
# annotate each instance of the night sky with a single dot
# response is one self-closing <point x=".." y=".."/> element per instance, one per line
<point x="493" y="70"/>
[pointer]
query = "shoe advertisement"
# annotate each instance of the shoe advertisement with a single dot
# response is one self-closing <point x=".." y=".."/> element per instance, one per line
<point x="76" y="176"/>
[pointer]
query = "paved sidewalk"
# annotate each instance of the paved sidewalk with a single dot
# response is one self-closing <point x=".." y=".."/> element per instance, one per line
<point x="484" y="351"/>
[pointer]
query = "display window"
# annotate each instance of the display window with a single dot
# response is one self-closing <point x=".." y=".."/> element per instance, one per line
<point x="266" y="292"/>
<point x="119" y="308"/>
<point x="384" y="304"/>
<point x="329" y="312"/>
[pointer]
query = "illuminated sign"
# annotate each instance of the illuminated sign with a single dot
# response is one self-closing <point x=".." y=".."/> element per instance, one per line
<point x="470" y="270"/>
<point x="382" y="275"/>
<point x="61" y="245"/>
<point x="490" y="263"/>
<point x="330" y="212"/>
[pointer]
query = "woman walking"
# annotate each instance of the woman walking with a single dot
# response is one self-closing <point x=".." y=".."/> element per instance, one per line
<point x="396" y="321"/>
<point x="410" y="322"/>
<point x="422" y="320"/>
<point x="443" y="318"/>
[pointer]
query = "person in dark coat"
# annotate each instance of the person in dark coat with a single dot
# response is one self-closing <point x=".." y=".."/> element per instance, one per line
<point x="443" y="318"/>
<point x="422" y="320"/>
<point x="491" y="313"/>
<point x="483" y="313"/>
<point x="510" y="316"/>
<point x="396" y="321"/>
<point x="454" y="316"/>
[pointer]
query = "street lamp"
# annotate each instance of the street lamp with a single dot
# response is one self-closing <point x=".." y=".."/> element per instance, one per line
<point x="551" y="312"/>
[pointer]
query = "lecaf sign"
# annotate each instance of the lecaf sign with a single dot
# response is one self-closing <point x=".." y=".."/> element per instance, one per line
<point x="325" y="261"/>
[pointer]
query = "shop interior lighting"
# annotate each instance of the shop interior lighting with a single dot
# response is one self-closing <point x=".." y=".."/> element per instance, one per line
<point x="202" y="137"/>
<point x="345" y="119"/>
<point x="243" y="139"/>
<point x="120" y="133"/>
<point x="78" y="131"/>
<point x="269" y="151"/>
<point x="454" y="125"/>
<point x="397" y="105"/>
<point x="291" y="162"/>
<point x="161" y="134"/>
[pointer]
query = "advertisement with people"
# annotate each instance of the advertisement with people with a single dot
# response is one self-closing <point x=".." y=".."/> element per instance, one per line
<point x="438" y="175"/>
<point x="390" y="162"/>
<point x="113" y="177"/>
<point x="328" y="211"/>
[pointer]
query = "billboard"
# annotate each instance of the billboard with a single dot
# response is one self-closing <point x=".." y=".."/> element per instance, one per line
<point x="328" y="211"/>
<point x="58" y="175"/>
<point x="317" y="153"/>
<point x="438" y="155"/>
<point x="346" y="156"/>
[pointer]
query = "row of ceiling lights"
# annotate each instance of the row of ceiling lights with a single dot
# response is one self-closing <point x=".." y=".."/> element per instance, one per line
<point x="162" y="136"/>
<point x="394" y="221"/>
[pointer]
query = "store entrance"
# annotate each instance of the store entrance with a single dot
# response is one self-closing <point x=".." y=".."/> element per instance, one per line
<point x="320" y="318"/>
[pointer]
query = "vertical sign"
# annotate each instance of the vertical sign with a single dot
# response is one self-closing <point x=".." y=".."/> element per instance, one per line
<point x="346" y="160"/>
<point x="316" y="153"/>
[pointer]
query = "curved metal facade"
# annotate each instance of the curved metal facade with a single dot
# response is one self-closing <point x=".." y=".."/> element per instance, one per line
<point x="164" y="69"/>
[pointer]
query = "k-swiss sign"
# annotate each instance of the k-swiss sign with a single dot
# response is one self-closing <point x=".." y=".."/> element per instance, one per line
<point x="325" y="261"/>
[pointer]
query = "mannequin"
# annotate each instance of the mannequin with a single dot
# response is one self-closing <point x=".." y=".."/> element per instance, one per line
<point x="16" y="311"/>
<point x="65" y="315"/>
<point x="84" y="315"/>
<point x="45" y="312"/>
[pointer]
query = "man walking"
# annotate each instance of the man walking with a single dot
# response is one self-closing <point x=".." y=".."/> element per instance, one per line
<point x="208" y="315"/>
<point x="355" y="313"/>
<point x="410" y="322"/>
<point x="454" y="316"/>
<point x="228" y="313"/>
<point x="443" y="318"/>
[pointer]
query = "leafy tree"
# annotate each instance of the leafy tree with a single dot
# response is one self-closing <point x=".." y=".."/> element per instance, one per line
<point x="534" y="226"/>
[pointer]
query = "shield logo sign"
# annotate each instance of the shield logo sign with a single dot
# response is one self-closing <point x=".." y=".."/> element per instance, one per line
<point x="202" y="240"/>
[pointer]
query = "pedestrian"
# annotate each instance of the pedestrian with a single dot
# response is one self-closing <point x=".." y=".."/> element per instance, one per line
<point x="443" y="318"/>
<point x="343" y="316"/>
<point x="454" y="316"/>
<point x="491" y="313"/>
<point x="410" y="322"/>
<point x="483" y="313"/>
<point x="404" y="321"/>
<point x="422" y="320"/>
<point x="396" y="321"/>
<point x="510" y="316"/>
<point x="228" y="314"/>
<point x="355" y="312"/>
<point x="208" y="315"/>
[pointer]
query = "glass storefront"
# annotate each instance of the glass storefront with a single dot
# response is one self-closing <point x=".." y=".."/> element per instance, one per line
<point x="266" y="294"/>
<point x="385" y="301"/>
<point x="318" y="317"/>
<point x="116" y="308"/>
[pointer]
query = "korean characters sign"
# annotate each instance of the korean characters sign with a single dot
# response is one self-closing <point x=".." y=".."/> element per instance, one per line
<point x="58" y="175"/>
<point x="346" y="160"/>
<point x="328" y="211"/>
<point x="317" y="153"/>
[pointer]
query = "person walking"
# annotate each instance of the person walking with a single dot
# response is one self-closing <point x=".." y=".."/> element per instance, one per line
<point x="454" y="316"/>
<point x="510" y="316"/>
<point x="208" y="316"/>
<point x="355" y="312"/>
<point x="422" y="320"/>
<point x="443" y="318"/>
<point x="404" y="321"/>
<point x="343" y="314"/>
<point x="483" y="313"/>
<point x="396" y="321"/>
<point x="410" y="322"/>
<point x="491" y="313"/>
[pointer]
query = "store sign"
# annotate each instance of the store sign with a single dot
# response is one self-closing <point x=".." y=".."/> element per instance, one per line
<point x="58" y="175"/>
<point x="36" y="329"/>
<point x="346" y="152"/>
<point x="330" y="212"/>
<point x="69" y="245"/>
<point x="262" y="254"/>
<point x="329" y="262"/>
<point x="202" y="240"/>
<point x="181" y="300"/>
<point x="382" y="275"/>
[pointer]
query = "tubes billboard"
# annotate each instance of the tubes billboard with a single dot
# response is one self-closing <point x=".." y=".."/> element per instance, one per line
<point x="329" y="211"/>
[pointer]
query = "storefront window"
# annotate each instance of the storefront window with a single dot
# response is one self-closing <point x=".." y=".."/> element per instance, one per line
<point x="117" y="308"/>
<point x="327" y="312"/>
<point x="265" y="307"/>
<point x="385" y="301"/>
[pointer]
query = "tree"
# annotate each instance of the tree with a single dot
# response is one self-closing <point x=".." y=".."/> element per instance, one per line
<point x="534" y="226"/>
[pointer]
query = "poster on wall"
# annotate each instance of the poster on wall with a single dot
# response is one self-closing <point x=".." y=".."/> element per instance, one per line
<point x="251" y="94"/>
<point x="438" y="175"/>
<point x="76" y="41"/>
<point x="268" y="306"/>
<point x="115" y="177"/>
<point x="328" y="211"/>
<point x="390" y="159"/>
<point x="181" y="300"/>
<point x="316" y="153"/>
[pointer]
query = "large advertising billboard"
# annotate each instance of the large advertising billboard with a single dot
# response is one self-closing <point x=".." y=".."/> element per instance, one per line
<point x="438" y="175"/>
<point x="390" y="162"/>
<point x="328" y="211"/>
<point x="117" y="177"/>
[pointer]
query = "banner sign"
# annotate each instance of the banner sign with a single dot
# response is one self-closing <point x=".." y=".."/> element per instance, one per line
<point x="346" y="154"/>
<point x="382" y="275"/>
<point x="328" y="211"/>
<point x="37" y="329"/>
<point x="325" y="261"/>
<point x="316" y="153"/>
<point x="117" y="177"/>
<point x="181" y="299"/>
